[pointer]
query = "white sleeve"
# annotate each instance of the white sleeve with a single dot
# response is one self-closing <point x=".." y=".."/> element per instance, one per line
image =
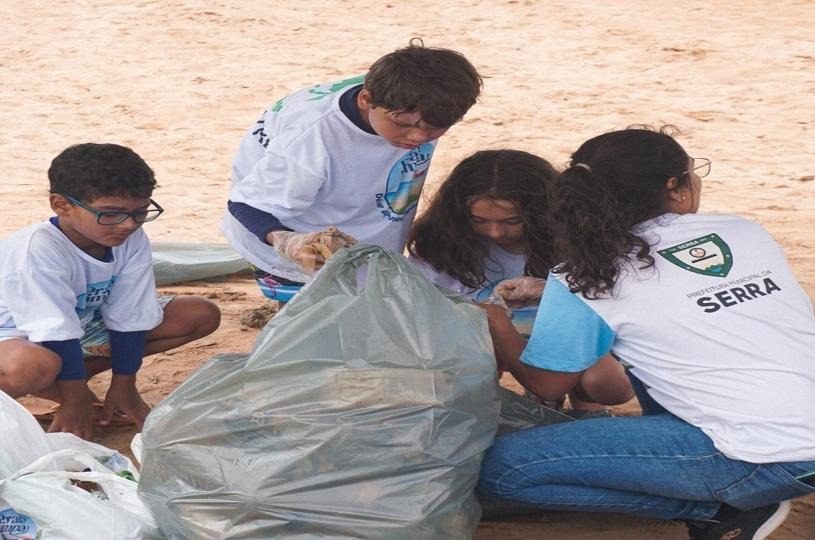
<point x="132" y="304"/>
<point x="42" y="301"/>
<point x="282" y="183"/>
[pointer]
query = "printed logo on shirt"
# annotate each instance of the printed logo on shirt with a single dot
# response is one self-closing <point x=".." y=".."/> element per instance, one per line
<point x="734" y="292"/>
<point x="94" y="296"/>
<point x="14" y="526"/>
<point x="259" y="130"/>
<point x="708" y="255"/>
<point x="318" y="92"/>
<point x="405" y="182"/>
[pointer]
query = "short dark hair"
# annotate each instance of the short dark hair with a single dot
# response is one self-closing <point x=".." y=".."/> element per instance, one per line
<point x="443" y="235"/>
<point x="88" y="171"/>
<point x="439" y="84"/>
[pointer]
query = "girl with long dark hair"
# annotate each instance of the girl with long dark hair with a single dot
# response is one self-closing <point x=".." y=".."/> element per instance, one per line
<point x="485" y="232"/>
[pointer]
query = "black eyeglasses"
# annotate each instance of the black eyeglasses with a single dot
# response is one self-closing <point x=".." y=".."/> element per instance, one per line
<point x="114" y="218"/>
<point x="701" y="166"/>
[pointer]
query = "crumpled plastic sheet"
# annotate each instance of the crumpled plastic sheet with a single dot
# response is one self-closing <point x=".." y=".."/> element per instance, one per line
<point x="175" y="262"/>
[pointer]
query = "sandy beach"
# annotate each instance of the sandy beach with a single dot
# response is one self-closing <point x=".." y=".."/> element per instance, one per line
<point x="180" y="82"/>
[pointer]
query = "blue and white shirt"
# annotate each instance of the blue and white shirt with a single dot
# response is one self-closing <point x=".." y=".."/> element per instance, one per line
<point x="306" y="163"/>
<point x="719" y="330"/>
<point x="50" y="289"/>
<point x="499" y="265"/>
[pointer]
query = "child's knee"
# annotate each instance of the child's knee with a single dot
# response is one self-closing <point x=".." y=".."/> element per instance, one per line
<point x="620" y="391"/>
<point x="207" y="317"/>
<point x="27" y="368"/>
<point x="607" y="385"/>
<point x="198" y="316"/>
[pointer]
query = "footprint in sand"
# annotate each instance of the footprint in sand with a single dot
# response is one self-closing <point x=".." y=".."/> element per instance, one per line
<point x="703" y="116"/>
<point x="696" y="52"/>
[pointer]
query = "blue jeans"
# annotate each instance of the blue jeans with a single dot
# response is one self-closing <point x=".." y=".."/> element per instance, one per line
<point x="656" y="466"/>
<point x="648" y="404"/>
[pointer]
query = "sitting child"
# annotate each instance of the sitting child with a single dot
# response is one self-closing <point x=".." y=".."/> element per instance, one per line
<point x="485" y="233"/>
<point x="77" y="294"/>
<point x="717" y="331"/>
<point x="343" y="162"/>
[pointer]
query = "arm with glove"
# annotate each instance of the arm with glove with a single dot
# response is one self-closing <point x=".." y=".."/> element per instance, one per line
<point x="521" y="291"/>
<point x="309" y="250"/>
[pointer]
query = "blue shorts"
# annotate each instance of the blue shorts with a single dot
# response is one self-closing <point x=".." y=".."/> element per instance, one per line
<point x="274" y="287"/>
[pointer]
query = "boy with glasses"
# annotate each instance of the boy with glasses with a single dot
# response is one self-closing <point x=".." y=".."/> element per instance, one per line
<point x="343" y="162"/>
<point x="77" y="293"/>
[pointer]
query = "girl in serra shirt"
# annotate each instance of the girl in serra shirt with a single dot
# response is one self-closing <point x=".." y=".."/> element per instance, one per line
<point x="725" y="378"/>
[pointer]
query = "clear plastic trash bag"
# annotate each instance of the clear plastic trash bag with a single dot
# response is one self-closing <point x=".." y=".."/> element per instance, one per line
<point x="519" y="412"/>
<point x="363" y="411"/>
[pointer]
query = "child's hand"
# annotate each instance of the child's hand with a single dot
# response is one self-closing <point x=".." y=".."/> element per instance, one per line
<point x="122" y="397"/>
<point x="75" y="413"/>
<point x="521" y="291"/>
<point x="310" y="250"/>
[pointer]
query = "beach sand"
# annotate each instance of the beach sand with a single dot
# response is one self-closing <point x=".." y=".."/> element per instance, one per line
<point x="180" y="82"/>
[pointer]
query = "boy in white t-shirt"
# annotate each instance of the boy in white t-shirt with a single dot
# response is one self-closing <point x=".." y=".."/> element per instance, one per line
<point x="352" y="154"/>
<point x="77" y="293"/>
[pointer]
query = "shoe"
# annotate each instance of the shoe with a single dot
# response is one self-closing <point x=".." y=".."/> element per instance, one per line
<point x="754" y="524"/>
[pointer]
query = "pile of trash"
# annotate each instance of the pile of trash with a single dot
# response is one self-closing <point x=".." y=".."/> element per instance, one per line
<point x="58" y="486"/>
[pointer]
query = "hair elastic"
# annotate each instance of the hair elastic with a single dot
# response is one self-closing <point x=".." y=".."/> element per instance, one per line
<point x="582" y="166"/>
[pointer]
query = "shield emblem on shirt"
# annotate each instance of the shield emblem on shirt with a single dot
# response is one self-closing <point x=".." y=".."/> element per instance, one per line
<point x="708" y="255"/>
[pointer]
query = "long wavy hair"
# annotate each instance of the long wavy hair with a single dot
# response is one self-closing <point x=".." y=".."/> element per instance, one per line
<point x="614" y="182"/>
<point x="444" y="237"/>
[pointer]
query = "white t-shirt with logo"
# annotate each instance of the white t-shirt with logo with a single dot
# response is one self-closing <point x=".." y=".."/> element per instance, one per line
<point x="307" y="164"/>
<point x="50" y="289"/>
<point x="719" y="330"/>
<point x="499" y="265"/>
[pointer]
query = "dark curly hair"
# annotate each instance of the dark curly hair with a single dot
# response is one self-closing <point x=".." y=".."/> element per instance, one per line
<point x="615" y="181"/>
<point x="444" y="237"/>
<point x="439" y="84"/>
<point x="88" y="171"/>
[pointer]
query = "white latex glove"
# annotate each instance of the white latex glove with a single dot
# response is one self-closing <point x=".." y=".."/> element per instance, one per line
<point x="310" y="250"/>
<point x="521" y="291"/>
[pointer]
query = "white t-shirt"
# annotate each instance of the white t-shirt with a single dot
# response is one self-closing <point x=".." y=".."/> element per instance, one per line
<point x="308" y="165"/>
<point x="719" y="330"/>
<point x="499" y="265"/>
<point x="50" y="289"/>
